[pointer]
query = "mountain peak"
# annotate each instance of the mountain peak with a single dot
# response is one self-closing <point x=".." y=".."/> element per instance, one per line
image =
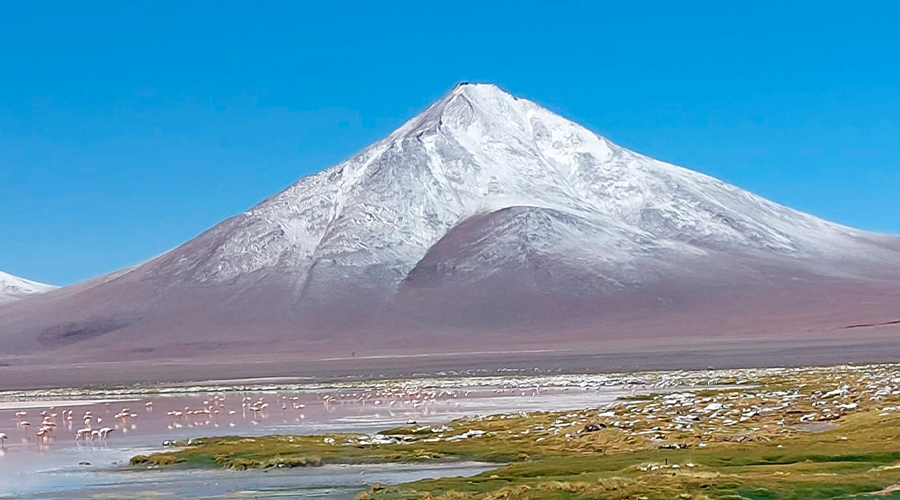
<point x="463" y="104"/>
<point x="474" y="89"/>
<point x="487" y="95"/>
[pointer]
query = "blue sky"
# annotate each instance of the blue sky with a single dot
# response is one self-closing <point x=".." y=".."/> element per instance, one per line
<point x="127" y="128"/>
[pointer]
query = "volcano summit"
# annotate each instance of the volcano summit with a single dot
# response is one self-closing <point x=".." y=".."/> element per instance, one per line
<point x="486" y="223"/>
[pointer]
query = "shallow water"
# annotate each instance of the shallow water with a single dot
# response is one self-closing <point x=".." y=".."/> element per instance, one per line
<point x="327" y="482"/>
<point x="59" y="466"/>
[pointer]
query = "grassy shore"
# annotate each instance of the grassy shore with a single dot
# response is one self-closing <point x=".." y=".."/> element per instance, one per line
<point x="778" y="434"/>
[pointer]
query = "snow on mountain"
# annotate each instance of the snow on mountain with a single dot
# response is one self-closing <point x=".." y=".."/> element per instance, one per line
<point x="479" y="150"/>
<point x="484" y="219"/>
<point x="14" y="288"/>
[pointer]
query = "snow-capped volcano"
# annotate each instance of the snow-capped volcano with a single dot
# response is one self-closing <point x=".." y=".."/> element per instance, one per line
<point x="14" y="288"/>
<point x="485" y="217"/>
<point x="479" y="151"/>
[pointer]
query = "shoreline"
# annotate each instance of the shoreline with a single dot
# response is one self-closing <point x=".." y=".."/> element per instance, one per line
<point x="722" y="354"/>
<point x="867" y="345"/>
<point x="42" y="403"/>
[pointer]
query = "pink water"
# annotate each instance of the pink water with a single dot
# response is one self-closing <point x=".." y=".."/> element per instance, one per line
<point x="58" y="465"/>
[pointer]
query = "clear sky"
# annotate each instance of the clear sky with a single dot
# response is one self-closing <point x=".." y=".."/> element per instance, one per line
<point x="126" y="128"/>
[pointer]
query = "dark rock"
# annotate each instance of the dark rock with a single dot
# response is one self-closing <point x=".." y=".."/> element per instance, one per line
<point x="592" y="427"/>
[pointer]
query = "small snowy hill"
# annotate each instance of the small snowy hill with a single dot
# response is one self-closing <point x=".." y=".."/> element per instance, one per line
<point x="14" y="288"/>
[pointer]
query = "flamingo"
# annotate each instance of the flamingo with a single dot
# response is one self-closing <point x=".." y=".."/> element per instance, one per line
<point x="3" y="438"/>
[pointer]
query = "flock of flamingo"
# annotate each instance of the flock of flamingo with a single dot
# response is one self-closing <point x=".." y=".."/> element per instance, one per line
<point x="47" y="429"/>
<point x="257" y="407"/>
<point x="213" y="408"/>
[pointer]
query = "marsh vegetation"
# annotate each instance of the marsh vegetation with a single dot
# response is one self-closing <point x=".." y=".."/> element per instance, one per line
<point x="761" y="434"/>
